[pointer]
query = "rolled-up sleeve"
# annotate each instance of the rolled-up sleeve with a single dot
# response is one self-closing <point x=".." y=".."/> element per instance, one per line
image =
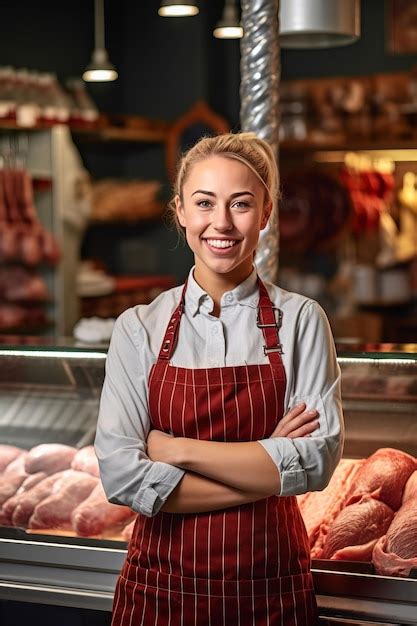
<point x="129" y="477"/>
<point x="307" y="463"/>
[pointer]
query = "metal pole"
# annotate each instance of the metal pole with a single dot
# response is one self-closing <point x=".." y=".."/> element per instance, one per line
<point x="259" y="96"/>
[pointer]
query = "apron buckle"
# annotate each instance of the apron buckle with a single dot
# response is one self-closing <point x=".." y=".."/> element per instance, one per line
<point x="278" y="320"/>
<point x="268" y="350"/>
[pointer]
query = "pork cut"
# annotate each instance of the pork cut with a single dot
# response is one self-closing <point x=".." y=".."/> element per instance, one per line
<point x="96" y="514"/>
<point x="356" y="529"/>
<point x="12" y="477"/>
<point x="16" y="511"/>
<point x="410" y="489"/>
<point x="86" y="461"/>
<point x="7" y="455"/>
<point x="6" y="511"/>
<point x="385" y="471"/>
<point x="321" y="507"/>
<point x="67" y="493"/>
<point x="395" y="554"/>
<point x="49" y="458"/>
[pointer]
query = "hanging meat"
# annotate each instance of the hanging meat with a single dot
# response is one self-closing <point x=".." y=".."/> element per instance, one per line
<point x="8" y="246"/>
<point x="23" y="238"/>
<point x="48" y="245"/>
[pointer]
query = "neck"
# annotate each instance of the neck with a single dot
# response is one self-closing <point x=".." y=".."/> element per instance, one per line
<point x="215" y="285"/>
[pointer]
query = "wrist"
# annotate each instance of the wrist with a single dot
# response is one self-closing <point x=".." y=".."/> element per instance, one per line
<point x="178" y="452"/>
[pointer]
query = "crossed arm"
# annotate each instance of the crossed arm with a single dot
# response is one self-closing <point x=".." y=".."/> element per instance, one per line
<point x="220" y="474"/>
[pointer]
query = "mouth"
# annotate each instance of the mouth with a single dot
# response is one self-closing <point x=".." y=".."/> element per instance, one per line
<point x="220" y="244"/>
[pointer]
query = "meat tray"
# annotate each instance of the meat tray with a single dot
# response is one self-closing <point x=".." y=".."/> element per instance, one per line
<point x="379" y="396"/>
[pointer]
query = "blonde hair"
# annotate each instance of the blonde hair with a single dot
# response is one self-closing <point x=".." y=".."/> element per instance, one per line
<point x="251" y="150"/>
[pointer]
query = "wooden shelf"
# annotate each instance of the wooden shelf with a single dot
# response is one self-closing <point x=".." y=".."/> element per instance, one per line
<point x="347" y="145"/>
<point x="134" y="131"/>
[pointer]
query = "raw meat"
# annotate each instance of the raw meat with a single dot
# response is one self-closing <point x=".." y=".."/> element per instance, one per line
<point x="31" y="481"/>
<point x="387" y="470"/>
<point x="395" y="554"/>
<point x="128" y="530"/>
<point x="68" y="492"/>
<point x="7" y="455"/>
<point x="12" y="477"/>
<point x="320" y="507"/>
<point x="410" y="489"/>
<point x="86" y="461"/>
<point x="18" y="509"/>
<point x="356" y="529"/>
<point x="96" y="514"/>
<point x="49" y="458"/>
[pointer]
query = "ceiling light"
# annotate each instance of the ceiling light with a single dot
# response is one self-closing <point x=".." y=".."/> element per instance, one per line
<point x="319" y="23"/>
<point x="229" y="27"/>
<point x="99" y="69"/>
<point x="179" y="8"/>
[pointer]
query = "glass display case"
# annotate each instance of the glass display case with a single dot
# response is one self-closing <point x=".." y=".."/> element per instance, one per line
<point x="50" y="395"/>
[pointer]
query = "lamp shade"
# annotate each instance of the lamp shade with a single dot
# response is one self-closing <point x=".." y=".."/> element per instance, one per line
<point x="178" y="8"/>
<point x="229" y="27"/>
<point x="319" y="23"/>
<point x="100" y="69"/>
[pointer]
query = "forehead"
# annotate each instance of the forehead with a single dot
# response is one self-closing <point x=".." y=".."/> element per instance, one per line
<point x="216" y="171"/>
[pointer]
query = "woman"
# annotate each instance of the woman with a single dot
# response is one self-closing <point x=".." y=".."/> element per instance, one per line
<point x="191" y="433"/>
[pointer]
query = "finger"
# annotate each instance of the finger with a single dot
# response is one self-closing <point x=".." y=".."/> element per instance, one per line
<point x="283" y="429"/>
<point x="304" y="431"/>
<point x="296" y="410"/>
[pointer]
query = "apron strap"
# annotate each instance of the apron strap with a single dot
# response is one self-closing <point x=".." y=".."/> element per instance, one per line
<point x="171" y="333"/>
<point x="269" y="320"/>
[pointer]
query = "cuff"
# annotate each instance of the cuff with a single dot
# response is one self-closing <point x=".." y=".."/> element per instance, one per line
<point x="160" y="481"/>
<point x="293" y="481"/>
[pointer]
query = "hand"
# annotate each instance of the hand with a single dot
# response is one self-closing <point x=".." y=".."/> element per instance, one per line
<point x="297" y="423"/>
<point x="161" y="446"/>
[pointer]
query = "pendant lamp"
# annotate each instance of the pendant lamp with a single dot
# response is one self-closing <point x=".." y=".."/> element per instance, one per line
<point x="99" y="69"/>
<point x="178" y="8"/>
<point x="229" y="26"/>
<point x="319" y="23"/>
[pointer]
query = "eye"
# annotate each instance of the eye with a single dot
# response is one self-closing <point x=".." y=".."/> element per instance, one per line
<point x="204" y="204"/>
<point x="241" y="204"/>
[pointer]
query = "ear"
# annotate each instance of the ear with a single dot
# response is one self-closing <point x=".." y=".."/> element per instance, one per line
<point x="266" y="214"/>
<point x="180" y="211"/>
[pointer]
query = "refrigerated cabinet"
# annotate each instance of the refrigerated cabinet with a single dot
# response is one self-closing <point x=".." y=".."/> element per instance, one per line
<point x="51" y="394"/>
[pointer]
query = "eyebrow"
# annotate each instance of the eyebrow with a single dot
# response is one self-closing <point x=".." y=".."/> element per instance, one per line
<point x="233" y="195"/>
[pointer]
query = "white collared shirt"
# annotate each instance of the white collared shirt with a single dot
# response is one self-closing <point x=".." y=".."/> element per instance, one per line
<point x="313" y="376"/>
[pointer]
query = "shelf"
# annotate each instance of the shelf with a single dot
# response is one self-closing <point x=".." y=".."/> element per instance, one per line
<point x="146" y="132"/>
<point x="348" y="144"/>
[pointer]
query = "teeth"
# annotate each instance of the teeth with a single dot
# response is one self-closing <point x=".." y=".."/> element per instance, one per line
<point x="221" y="243"/>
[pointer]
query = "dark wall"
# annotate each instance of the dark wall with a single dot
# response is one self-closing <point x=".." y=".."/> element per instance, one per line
<point x="164" y="66"/>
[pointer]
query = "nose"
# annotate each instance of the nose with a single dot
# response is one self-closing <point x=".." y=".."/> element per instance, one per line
<point x="221" y="218"/>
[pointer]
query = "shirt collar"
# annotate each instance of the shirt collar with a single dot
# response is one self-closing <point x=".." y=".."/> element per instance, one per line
<point x="246" y="294"/>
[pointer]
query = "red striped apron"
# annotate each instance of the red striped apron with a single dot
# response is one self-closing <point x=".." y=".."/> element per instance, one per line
<point x="245" y="565"/>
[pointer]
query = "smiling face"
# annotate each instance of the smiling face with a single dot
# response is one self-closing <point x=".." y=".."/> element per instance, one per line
<point x="223" y="208"/>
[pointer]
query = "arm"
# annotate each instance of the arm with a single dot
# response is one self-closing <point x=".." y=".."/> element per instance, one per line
<point x="241" y="466"/>
<point x="197" y="494"/>
<point x="129" y="477"/>
<point x="307" y="464"/>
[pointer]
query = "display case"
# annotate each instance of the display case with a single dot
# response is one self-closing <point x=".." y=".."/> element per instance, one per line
<point x="51" y="395"/>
